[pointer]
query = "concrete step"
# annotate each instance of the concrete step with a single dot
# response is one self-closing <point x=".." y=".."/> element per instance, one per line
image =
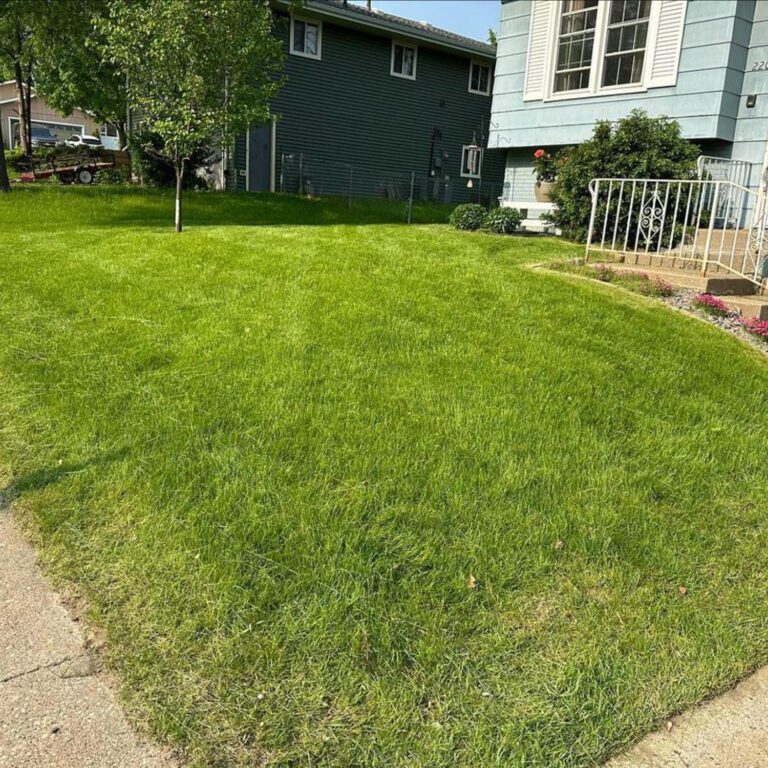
<point x="719" y="284"/>
<point x="738" y="293"/>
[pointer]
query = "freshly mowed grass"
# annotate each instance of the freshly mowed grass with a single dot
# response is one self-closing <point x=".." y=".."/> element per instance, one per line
<point x="273" y="458"/>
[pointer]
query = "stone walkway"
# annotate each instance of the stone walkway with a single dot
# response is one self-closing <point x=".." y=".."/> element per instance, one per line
<point x="55" y="710"/>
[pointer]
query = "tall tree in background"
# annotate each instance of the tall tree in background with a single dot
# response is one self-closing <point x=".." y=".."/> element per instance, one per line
<point x="70" y="71"/>
<point x="198" y="71"/>
<point x="18" y="22"/>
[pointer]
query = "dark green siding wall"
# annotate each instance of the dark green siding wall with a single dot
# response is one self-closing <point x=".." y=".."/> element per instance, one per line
<point x="347" y="109"/>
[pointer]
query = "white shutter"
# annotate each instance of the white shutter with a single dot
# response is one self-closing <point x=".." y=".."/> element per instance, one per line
<point x="669" y="38"/>
<point x="538" y="49"/>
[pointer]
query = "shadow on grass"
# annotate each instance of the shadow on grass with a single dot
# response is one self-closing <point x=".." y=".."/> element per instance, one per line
<point x="42" y="478"/>
<point x="141" y="207"/>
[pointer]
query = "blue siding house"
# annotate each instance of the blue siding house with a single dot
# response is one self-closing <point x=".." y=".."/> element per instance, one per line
<point x="563" y="64"/>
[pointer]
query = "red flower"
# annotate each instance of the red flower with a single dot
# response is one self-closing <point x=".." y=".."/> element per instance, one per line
<point x="539" y="153"/>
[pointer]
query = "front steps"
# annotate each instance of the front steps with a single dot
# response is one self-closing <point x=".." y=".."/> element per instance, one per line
<point x="738" y="292"/>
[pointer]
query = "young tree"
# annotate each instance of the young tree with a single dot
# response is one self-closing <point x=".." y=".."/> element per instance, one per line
<point x="197" y="70"/>
<point x="70" y="71"/>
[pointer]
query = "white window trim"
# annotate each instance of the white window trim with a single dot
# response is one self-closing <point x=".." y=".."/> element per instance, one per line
<point x="404" y="44"/>
<point x="598" y="58"/>
<point x="479" y="173"/>
<point x="470" y="89"/>
<point x="319" y="24"/>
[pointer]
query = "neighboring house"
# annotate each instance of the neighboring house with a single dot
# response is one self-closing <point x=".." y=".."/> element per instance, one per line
<point x="563" y="64"/>
<point x="382" y="95"/>
<point x="60" y="126"/>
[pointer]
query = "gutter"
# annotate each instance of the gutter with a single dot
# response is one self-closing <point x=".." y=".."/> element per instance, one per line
<point x="383" y="25"/>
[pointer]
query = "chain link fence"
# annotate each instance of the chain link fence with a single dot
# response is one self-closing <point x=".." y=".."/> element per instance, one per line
<point x="303" y="174"/>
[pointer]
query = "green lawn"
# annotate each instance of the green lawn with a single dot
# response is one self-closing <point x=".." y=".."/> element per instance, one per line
<point x="272" y="451"/>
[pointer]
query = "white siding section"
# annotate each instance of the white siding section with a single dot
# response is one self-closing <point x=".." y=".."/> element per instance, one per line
<point x="669" y="38"/>
<point x="538" y="49"/>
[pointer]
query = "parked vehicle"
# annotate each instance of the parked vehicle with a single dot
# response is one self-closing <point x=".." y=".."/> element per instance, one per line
<point x="78" y="140"/>
<point x="42" y="137"/>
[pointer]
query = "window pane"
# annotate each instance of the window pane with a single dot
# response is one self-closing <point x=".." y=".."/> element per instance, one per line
<point x="485" y="79"/>
<point x="627" y="39"/>
<point x="397" y="64"/>
<point x="474" y="80"/>
<point x="310" y="39"/>
<point x="575" y="45"/>
<point x="298" y="36"/>
<point x="408" y="61"/>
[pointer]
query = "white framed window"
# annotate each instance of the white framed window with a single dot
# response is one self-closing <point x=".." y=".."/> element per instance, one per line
<point x="479" y="78"/>
<point x="601" y="44"/>
<point x="471" y="161"/>
<point x="306" y="38"/>
<point x="403" y="62"/>
<point x="579" y="48"/>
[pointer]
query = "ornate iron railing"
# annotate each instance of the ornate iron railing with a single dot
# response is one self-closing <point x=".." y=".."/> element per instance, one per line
<point x="709" y="224"/>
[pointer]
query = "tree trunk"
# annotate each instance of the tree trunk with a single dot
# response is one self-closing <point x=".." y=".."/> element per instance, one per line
<point x="25" y="140"/>
<point x="5" y="184"/>
<point x="179" y="188"/>
<point x="122" y="134"/>
<point x="28" y="104"/>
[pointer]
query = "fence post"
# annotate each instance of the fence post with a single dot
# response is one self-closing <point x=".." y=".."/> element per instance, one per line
<point x="301" y="174"/>
<point x="594" y="186"/>
<point x="410" y="198"/>
<point x="350" y="188"/>
<point x="708" y="242"/>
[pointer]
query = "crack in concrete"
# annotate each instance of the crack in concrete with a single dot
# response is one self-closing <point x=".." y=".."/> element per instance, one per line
<point x="41" y="667"/>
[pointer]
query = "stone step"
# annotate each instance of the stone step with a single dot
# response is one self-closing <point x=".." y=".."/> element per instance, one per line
<point x="746" y="300"/>
<point x="719" y="284"/>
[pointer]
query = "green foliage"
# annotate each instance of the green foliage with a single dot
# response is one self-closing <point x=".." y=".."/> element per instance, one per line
<point x="503" y="221"/>
<point x="16" y="159"/>
<point x="637" y="146"/>
<point x="470" y="216"/>
<point x="197" y="70"/>
<point x="155" y="169"/>
<point x="71" y="72"/>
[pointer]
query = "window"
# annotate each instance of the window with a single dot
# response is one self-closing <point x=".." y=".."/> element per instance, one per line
<point x="306" y="38"/>
<point x="626" y="41"/>
<point x="575" y="45"/>
<point x="479" y="78"/>
<point x="471" y="161"/>
<point x="587" y="29"/>
<point x="403" y="61"/>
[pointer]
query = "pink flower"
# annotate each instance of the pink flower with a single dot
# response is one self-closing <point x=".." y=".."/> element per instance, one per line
<point x="539" y="153"/>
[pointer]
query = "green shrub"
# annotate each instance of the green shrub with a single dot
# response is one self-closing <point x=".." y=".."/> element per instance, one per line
<point x="503" y="221"/>
<point x="156" y="171"/>
<point x="470" y="216"/>
<point x="16" y="161"/>
<point x="638" y="146"/>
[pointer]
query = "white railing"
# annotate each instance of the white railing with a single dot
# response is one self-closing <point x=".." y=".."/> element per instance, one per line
<point x="705" y="223"/>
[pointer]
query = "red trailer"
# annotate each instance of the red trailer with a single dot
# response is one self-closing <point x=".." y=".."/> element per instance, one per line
<point x="71" y="169"/>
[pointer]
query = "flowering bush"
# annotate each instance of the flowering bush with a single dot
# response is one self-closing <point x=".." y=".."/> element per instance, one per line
<point x="710" y="304"/>
<point x="604" y="273"/>
<point x="545" y="165"/>
<point x="756" y="327"/>
<point x="503" y="221"/>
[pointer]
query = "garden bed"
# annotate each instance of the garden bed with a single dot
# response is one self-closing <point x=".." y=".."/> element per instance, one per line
<point x="705" y="306"/>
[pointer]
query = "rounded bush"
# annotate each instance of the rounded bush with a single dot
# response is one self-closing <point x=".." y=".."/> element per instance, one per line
<point x="469" y="217"/>
<point x="503" y="221"/>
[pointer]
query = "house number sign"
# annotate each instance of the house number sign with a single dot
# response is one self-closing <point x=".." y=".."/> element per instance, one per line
<point x="759" y="66"/>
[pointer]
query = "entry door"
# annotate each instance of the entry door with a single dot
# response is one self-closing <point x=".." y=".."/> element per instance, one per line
<point x="260" y="158"/>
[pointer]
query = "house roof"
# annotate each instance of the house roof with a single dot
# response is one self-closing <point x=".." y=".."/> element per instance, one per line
<point x="418" y="30"/>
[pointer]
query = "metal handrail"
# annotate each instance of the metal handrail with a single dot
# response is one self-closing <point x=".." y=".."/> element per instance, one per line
<point x="707" y="223"/>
